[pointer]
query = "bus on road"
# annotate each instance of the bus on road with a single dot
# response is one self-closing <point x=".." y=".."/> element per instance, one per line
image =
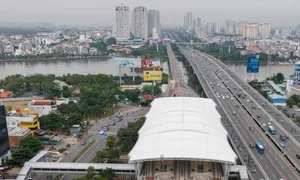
<point x="259" y="147"/>
<point x="271" y="130"/>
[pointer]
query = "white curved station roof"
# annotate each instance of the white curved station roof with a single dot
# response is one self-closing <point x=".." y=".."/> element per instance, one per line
<point x="183" y="128"/>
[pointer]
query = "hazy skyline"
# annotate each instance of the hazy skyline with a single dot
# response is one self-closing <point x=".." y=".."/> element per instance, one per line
<point x="102" y="12"/>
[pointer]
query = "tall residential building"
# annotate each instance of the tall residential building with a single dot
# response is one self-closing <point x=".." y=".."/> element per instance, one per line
<point x="216" y="28"/>
<point x="208" y="28"/>
<point x="265" y="30"/>
<point x="240" y="27"/>
<point x="122" y="22"/>
<point x="198" y="22"/>
<point x="229" y="27"/>
<point x="188" y="21"/>
<point x="201" y="33"/>
<point x="140" y="22"/>
<point x="297" y="74"/>
<point x="286" y="32"/>
<point x="4" y="141"/>
<point x="297" y="31"/>
<point x="251" y="31"/>
<point x="154" y="21"/>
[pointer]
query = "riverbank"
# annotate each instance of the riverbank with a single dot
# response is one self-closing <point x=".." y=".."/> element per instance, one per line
<point x="102" y="57"/>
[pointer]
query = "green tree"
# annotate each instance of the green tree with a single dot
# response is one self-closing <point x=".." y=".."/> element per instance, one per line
<point x="165" y="79"/>
<point x="148" y="90"/>
<point x="91" y="172"/>
<point x="290" y="102"/>
<point x="22" y="154"/>
<point x="278" y="78"/>
<point x="111" y="41"/>
<point x="53" y="121"/>
<point x="66" y="91"/>
<point x="132" y="95"/>
<point x="108" y="174"/>
<point x="74" y="118"/>
<point x="111" y="142"/>
<point x="113" y="153"/>
<point x="32" y="143"/>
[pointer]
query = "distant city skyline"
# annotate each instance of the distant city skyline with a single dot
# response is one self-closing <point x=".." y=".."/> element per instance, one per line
<point x="95" y="12"/>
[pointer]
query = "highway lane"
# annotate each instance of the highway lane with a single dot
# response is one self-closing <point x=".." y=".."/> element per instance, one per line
<point x="274" y="124"/>
<point x="292" y="145"/>
<point x="232" y="131"/>
<point x="279" y="165"/>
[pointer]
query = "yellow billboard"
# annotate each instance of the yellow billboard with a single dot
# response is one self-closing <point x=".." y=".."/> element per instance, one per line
<point x="152" y="75"/>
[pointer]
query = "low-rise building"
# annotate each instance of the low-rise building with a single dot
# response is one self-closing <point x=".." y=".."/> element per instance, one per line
<point x="23" y="119"/>
<point x="294" y="90"/>
<point x="16" y="134"/>
<point x="277" y="100"/>
<point x="43" y="107"/>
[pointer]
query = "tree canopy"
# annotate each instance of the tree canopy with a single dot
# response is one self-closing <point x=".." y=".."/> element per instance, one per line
<point x="29" y="147"/>
<point x="106" y="174"/>
<point x="293" y="100"/>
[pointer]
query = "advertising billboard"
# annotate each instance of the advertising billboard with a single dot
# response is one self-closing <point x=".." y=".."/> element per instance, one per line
<point x="151" y="63"/>
<point x="128" y="62"/>
<point x="253" y="64"/>
<point x="152" y="75"/>
<point x="228" y="44"/>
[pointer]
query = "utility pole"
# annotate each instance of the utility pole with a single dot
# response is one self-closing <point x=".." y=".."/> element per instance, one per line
<point x="120" y="78"/>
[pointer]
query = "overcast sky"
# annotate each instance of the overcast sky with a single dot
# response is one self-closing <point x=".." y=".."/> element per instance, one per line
<point x="101" y="12"/>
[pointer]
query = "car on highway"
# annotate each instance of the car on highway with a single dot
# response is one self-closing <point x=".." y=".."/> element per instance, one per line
<point x="248" y="100"/>
<point x="258" y="117"/>
<point x="113" y="124"/>
<point x="233" y="112"/>
<point x="101" y="132"/>
<point x="250" y="128"/>
<point x="227" y="97"/>
<point x="223" y="97"/>
<point x="231" y="98"/>
<point x="298" y="156"/>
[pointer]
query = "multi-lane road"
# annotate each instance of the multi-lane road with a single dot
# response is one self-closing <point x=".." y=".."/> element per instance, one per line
<point x="239" y="122"/>
<point x="100" y="141"/>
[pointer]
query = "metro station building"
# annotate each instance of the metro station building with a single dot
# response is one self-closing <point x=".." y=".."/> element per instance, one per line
<point x="182" y="139"/>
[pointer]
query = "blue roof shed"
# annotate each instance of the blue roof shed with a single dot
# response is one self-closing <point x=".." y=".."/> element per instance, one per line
<point x="277" y="99"/>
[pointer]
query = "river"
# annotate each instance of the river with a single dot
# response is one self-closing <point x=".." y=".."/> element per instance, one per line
<point x="95" y="66"/>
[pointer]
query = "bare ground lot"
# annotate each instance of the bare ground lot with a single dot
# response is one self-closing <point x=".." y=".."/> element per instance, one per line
<point x="16" y="105"/>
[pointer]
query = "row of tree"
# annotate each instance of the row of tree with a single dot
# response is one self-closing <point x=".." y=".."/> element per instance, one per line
<point x="106" y="174"/>
<point x="218" y="51"/>
<point x="150" y="51"/>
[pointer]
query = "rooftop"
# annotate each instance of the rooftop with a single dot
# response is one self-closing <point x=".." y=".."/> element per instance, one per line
<point x="17" y="131"/>
<point x="276" y="96"/>
<point x="183" y="128"/>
